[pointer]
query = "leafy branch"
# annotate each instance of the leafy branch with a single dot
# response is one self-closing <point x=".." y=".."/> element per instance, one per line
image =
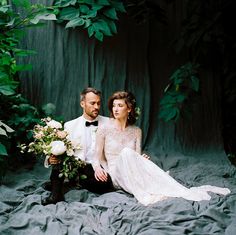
<point x="15" y="112"/>
<point x="184" y="83"/>
<point x="98" y="17"/>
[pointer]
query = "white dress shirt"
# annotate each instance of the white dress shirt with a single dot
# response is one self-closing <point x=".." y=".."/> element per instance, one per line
<point x="89" y="146"/>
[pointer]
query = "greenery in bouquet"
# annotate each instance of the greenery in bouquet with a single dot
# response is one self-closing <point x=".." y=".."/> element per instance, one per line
<point x="51" y="139"/>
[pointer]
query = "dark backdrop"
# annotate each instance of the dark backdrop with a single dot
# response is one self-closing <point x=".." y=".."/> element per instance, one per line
<point x="140" y="58"/>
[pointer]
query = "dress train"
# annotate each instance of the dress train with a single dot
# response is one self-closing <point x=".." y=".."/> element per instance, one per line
<point x="149" y="183"/>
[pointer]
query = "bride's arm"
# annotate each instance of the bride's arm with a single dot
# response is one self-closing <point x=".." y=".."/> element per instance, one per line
<point x="138" y="141"/>
<point x="100" y="173"/>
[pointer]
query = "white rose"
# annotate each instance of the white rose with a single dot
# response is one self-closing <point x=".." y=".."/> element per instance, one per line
<point x="57" y="147"/>
<point x="54" y="124"/>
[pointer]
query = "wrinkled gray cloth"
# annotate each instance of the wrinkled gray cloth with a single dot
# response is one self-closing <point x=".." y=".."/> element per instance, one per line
<point x="117" y="212"/>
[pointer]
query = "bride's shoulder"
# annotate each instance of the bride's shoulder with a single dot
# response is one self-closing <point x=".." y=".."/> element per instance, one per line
<point x="136" y="129"/>
<point x="108" y="124"/>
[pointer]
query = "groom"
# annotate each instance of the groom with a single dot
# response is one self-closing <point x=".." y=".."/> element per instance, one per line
<point x="83" y="129"/>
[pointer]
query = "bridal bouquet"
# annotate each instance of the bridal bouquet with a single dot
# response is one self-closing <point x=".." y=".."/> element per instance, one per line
<point x="51" y="139"/>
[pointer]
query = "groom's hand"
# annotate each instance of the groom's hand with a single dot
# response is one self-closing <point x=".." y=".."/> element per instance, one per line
<point x="100" y="174"/>
<point x="53" y="160"/>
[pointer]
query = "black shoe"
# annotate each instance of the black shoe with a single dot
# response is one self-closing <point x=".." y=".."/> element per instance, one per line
<point x="51" y="200"/>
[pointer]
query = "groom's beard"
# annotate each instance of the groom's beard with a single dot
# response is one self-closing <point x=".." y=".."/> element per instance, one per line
<point x="93" y="114"/>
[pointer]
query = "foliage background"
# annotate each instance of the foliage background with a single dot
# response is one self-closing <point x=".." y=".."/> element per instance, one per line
<point x="154" y="39"/>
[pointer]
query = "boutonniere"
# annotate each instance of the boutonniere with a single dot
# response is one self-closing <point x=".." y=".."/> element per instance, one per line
<point x="95" y="130"/>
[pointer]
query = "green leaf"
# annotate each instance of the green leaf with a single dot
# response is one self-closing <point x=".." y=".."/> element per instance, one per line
<point x="5" y="8"/>
<point x="167" y="99"/>
<point x="89" y="2"/>
<point x="91" y="30"/>
<point x="69" y="13"/>
<point x="111" y="13"/>
<point x="91" y="14"/>
<point x="3" y="150"/>
<point x="180" y="98"/>
<point x="7" y="90"/>
<point x="169" y="114"/>
<point x="178" y="80"/>
<point x="99" y="36"/>
<point x="97" y="7"/>
<point x="11" y="23"/>
<point x="83" y="177"/>
<point x="75" y="22"/>
<point x="84" y="9"/>
<point x="103" y="2"/>
<point x="87" y="23"/>
<point x="7" y="128"/>
<point x="3" y="132"/>
<point x="3" y="75"/>
<point x="119" y="6"/>
<point x="45" y="16"/>
<point x="112" y="26"/>
<point x="64" y="3"/>
<point x="195" y="83"/>
<point x="101" y="25"/>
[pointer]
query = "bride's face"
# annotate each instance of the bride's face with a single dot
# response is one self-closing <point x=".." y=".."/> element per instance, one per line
<point x="120" y="109"/>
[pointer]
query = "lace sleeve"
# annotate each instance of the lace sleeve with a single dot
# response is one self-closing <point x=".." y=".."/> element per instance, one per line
<point x="138" y="140"/>
<point x="100" y="140"/>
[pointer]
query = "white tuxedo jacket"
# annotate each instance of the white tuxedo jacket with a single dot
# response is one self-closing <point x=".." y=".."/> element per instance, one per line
<point x="76" y="130"/>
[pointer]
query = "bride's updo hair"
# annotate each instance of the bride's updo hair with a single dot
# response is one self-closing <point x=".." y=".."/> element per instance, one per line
<point x="129" y="100"/>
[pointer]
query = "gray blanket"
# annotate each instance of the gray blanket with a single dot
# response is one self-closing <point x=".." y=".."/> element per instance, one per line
<point x="117" y="212"/>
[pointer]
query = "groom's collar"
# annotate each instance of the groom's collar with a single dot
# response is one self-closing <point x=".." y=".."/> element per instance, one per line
<point x="86" y="120"/>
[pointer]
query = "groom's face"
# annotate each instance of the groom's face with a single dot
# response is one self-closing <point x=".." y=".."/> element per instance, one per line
<point x="91" y="105"/>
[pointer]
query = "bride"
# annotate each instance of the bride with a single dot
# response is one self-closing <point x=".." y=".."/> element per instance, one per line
<point x="118" y="150"/>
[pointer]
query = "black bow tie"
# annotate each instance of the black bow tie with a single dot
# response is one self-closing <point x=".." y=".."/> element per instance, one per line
<point x="95" y="123"/>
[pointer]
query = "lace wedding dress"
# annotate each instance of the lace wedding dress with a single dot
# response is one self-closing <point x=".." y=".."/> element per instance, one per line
<point x="137" y="175"/>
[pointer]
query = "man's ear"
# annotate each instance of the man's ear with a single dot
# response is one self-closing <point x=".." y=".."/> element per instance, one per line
<point x="82" y="104"/>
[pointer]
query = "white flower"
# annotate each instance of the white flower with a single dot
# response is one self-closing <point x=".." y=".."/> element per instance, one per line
<point x="57" y="147"/>
<point x="38" y="135"/>
<point x="70" y="152"/>
<point x="54" y="124"/>
<point x="61" y="134"/>
<point x="48" y="119"/>
<point x="76" y="143"/>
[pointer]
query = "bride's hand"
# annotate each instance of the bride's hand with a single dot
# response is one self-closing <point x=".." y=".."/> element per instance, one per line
<point x="100" y="174"/>
<point x="145" y="156"/>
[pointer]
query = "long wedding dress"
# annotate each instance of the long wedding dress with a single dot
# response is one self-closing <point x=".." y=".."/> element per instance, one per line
<point x="137" y="175"/>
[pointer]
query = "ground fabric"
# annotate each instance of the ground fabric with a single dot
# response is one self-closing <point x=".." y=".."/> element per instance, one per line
<point x="117" y="212"/>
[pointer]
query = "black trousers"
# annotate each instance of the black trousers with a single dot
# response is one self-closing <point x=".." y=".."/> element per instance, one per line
<point x="89" y="182"/>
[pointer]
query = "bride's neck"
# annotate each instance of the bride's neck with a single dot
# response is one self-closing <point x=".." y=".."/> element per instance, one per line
<point x="121" y="124"/>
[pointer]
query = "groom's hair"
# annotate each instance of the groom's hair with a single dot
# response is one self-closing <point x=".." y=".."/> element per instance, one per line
<point x="87" y="90"/>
